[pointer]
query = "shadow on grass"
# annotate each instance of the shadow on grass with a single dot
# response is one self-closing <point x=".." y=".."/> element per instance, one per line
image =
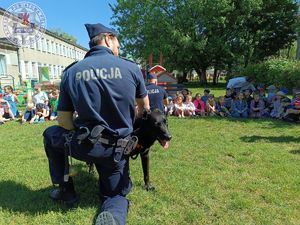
<point x="296" y="152"/>
<point x="17" y="197"/>
<point x="279" y="139"/>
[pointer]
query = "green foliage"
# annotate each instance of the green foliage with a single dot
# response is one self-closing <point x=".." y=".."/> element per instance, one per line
<point x="197" y="34"/>
<point x="216" y="171"/>
<point x="64" y="35"/>
<point x="281" y="72"/>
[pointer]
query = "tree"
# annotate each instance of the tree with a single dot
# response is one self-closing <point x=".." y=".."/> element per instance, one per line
<point x="197" y="34"/>
<point x="263" y="28"/>
<point x="64" y="35"/>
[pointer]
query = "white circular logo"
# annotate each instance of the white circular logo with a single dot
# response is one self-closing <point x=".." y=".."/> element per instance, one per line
<point x="24" y="23"/>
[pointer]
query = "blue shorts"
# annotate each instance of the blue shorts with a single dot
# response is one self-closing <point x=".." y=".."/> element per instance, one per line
<point x="53" y="114"/>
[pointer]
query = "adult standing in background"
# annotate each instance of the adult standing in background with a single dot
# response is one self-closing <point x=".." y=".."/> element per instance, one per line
<point x="157" y="95"/>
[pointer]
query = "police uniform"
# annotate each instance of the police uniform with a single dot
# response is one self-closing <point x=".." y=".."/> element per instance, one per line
<point x="102" y="89"/>
<point x="156" y="95"/>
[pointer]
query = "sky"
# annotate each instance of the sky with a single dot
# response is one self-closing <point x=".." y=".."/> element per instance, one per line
<point x="70" y="16"/>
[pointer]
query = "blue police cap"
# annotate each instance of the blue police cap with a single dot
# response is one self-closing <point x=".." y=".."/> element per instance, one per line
<point x="98" y="28"/>
<point x="152" y="76"/>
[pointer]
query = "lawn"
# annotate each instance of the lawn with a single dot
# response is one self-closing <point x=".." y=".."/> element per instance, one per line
<point x="218" y="89"/>
<point x="216" y="171"/>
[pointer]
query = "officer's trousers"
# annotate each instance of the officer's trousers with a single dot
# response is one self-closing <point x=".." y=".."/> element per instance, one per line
<point x="114" y="180"/>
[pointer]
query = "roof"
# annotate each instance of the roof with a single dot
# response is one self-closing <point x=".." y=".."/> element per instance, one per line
<point x="165" y="73"/>
<point x="8" y="44"/>
<point x="157" y="69"/>
<point x="2" y="11"/>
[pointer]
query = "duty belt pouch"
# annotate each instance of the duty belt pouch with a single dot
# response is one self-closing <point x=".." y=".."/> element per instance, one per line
<point x="118" y="153"/>
<point x="84" y="133"/>
<point x="96" y="134"/>
<point x="124" y="146"/>
<point x="132" y="142"/>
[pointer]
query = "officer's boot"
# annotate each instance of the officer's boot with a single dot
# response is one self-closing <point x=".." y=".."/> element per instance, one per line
<point x="105" y="218"/>
<point x="65" y="193"/>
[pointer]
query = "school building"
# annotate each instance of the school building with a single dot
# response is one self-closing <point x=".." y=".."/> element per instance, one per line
<point x="18" y="64"/>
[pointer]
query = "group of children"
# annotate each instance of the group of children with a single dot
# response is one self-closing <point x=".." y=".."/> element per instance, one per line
<point x="238" y="104"/>
<point x="235" y="104"/>
<point x="41" y="106"/>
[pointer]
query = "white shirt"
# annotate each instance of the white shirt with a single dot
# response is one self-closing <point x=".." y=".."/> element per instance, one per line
<point x="40" y="98"/>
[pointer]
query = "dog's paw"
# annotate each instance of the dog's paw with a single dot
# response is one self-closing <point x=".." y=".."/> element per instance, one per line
<point x="149" y="187"/>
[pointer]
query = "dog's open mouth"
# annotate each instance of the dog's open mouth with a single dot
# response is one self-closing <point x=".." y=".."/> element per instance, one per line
<point x="164" y="143"/>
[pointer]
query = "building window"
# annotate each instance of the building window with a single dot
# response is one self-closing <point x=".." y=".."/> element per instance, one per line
<point x="60" y="49"/>
<point x="57" y="49"/>
<point x="32" y="43"/>
<point x="54" y="70"/>
<point x="52" y="47"/>
<point x="39" y="44"/>
<point x="40" y="65"/>
<point x="26" y="69"/>
<point x="2" y="65"/>
<point x="48" y="46"/>
<point x="34" y="70"/>
<point x="61" y="71"/>
<point x="44" y="45"/>
<point x="50" y="71"/>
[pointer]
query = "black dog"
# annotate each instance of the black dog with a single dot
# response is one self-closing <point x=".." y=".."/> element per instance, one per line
<point x="151" y="127"/>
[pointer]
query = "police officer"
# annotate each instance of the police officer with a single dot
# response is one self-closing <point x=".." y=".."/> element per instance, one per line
<point x="157" y="95"/>
<point x="102" y="89"/>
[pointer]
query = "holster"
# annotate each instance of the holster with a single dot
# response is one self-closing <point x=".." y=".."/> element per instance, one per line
<point x="95" y="135"/>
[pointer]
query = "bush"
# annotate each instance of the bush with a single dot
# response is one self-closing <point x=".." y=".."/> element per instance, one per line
<point x="280" y="72"/>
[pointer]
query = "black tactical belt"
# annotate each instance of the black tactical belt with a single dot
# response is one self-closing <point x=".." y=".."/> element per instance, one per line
<point x="96" y="136"/>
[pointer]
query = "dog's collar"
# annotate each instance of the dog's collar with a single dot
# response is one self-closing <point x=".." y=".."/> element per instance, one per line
<point x="139" y="146"/>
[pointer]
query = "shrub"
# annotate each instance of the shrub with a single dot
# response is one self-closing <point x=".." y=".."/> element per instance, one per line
<point x="280" y="72"/>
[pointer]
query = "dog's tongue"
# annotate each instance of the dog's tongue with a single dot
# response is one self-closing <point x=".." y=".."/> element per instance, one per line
<point x="165" y="144"/>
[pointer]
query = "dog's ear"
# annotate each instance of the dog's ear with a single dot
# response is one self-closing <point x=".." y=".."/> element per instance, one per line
<point x="146" y="114"/>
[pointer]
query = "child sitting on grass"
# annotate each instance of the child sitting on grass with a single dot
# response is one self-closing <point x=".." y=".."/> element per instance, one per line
<point x="53" y="104"/>
<point x="189" y="108"/>
<point x="29" y="113"/>
<point x="179" y="106"/>
<point x="228" y="99"/>
<point x="257" y="107"/>
<point x="221" y="108"/>
<point x="5" y="111"/>
<point x="240" y="107"/>
<point x="277" y="109"/>
<point x="204" y="98"/>
<point x="199" y="105"/>
<point x="11" y="99"/>
<point x="211" y="105"/>
<point x="293" y="113"/>
<point x="40" y="113"/>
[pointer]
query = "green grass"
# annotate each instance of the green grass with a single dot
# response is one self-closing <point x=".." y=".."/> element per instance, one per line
<point x="216" y="171"/>
<point x="217" y="90"/>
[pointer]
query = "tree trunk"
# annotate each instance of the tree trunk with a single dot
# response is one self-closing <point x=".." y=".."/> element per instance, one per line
<point x="218" y="76"/>
<point x="184" y="78"/>
<point x="215" y="76"/>
<point x="202" y="75"/>
<point x="289" y="51"/>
